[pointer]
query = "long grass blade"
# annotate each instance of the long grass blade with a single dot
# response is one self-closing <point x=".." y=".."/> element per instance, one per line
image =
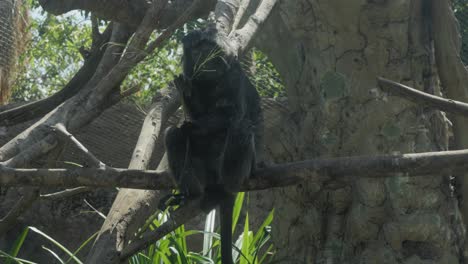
<point x="60" y="246"/>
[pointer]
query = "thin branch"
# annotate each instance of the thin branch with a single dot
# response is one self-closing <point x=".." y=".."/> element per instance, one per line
<point x="415" y="164"/>
<point x="129" y="91"/>
<point x="176" y="219"/>
<point x="95" y="34"/>
<point x="65" y="193"/>
<point x="447" y="105"/>
<point x="186" y="16"/>
<point x="66" y="136"/>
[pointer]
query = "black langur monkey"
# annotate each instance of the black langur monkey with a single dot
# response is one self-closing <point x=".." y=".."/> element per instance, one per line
<point x="213" y="152"/>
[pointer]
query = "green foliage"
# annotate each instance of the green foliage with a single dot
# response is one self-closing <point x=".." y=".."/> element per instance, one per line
<point x="265" y="77"/>
<point x="11" y="257"/>
<point x="155" y="72"/>
<point x="250" y="248"/>
<point x="52" y="56"/>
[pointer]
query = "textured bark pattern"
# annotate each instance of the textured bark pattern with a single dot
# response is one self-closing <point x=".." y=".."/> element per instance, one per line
<point x="329" y="67"/>
<point x="12" y="30"/>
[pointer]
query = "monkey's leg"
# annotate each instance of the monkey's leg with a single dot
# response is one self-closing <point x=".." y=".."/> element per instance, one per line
<point x="180" y="164"/>
<point x="176" y="149"/>
<point x="239" y="155"/>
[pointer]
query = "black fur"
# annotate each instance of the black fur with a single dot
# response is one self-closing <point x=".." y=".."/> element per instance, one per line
<point x="214" y="151"/>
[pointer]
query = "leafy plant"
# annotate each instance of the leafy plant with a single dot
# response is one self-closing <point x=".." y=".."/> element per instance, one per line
<point x="11" y="257"/>
<point x="250" y="247"/>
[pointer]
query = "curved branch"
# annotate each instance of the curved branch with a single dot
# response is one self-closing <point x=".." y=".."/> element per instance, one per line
<point x="447" y="105"/>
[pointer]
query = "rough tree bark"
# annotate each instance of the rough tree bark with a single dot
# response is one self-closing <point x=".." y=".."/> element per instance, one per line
<point x="329" y="54"/>
<point x="13" y="27"/>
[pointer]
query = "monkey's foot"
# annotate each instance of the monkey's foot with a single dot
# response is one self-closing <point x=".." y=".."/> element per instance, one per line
<point x="171" y="200"/>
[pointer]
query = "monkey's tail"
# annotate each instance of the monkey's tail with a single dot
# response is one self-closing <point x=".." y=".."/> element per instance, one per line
<point x="225" y="207"/>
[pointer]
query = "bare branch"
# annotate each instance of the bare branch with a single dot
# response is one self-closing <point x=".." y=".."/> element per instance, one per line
<point x="65" y="193"/>
<point x="186" y="16"/>
<point x="447" y="105"/>
<point x="240" y="13"/>
<point x="416" y="164"/>
<point x="135" y="50"/>
<point x="176" y="219"/>
<point x="129" y="91"/>
<point x="96" y="35"/>
<point x="133" y="206"/>
<point x="33" y="152"/>
<point x="126" y="12"/>
<point x="66" y="136"/>
<point x="244" y="36"/>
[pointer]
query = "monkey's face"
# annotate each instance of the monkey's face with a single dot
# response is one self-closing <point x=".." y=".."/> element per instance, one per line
<point x="204" y="61"/>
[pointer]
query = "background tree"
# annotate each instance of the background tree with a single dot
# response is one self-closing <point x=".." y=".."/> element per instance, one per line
<point x="13" y="24"/>
<point x="329" y="54"/>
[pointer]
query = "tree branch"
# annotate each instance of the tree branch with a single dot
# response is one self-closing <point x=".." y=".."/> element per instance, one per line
<point x="447" y="105"/>
<point x="225" y="13"/>
<point x="244" y="36"/>
<point x="66" y="136"/>
<point x="176" y="219"/>
<point x="65" y="193"/>
<point x="416" y="164"/>
<point x="126" y="12"/>
<point x="39" y="108"/>
<point x="133" y="206"/>
<point x="240" y="13"/>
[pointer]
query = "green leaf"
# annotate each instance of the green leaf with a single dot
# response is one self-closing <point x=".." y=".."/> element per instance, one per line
<point x="17" y="260"/>
<point x="245" y="256"/>
<point x="91" y="238"/>
<point x="53" y="254"/>
<point x="60" y="246"/>
<point x="237" y="209"/>
<point x="17" y="244"/>
<point x="262" y="229"/>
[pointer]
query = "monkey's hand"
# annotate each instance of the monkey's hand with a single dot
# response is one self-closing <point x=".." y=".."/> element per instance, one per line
<point x="187" y="127"/>
<point x="210" y="125"/>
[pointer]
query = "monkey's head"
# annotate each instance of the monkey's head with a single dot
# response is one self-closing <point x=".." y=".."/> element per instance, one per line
<point x="203" y="59"/>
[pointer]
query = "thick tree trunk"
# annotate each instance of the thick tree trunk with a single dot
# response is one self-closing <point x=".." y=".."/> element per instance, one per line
<point x="329" y="54"/>
<point x="13" y="23"/>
